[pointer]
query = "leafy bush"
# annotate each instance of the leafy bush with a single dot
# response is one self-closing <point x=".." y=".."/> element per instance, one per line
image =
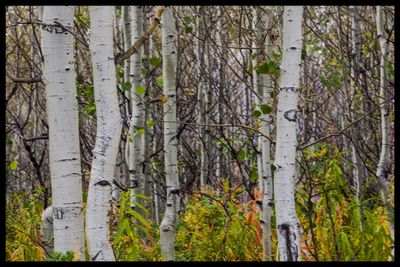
<point x="23" y="227"/>
<point x="209" y="232"/>
<point x="134" y="235"/>
<point x="342" y="229"/>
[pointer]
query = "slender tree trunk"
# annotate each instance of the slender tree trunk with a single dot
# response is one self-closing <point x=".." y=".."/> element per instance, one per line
<point x="358" y="171"/>
<point x="155" y="190"/>
<point x="263" y="155"/>
<point x="286" y="142"/>
<point x="201" y="92"/>
<point x="136" y="142"/>
<point x="383" y="165"/>
<point x="169" y="221"/>
<point x="109" y="125"/>
<point x="62" y="110"/>
<point x="220" y="162"/>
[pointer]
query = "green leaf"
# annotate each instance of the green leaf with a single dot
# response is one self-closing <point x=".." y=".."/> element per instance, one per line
<point x="257" y="113"/>
<point x="268" y="67"/>
<point x="127" y="86"/>
<point x="265" y="109"/>
<point x="89" y="90"/>
<point x="253" y="174"/>
<point x="138" y="131"/>
<point x="13" y="165"/>
<point x="263" y="68"/>
<point x="138" y="216"/>
<point x="188" y="29"/>
<point x="140" y="90"/>
<point x="90" y="109"/>
<point x="160" y="80"/>
<point x="241" y="154"/>
<point x="187" y="19"/>
<point x="150" y="123"/>
<point x="154" y="61"/>
<point x="120" y="72"/>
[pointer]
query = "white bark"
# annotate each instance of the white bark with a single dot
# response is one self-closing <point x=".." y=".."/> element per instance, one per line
<point x="108" y="133"/>
<point x="263" y="155"/>
<point x="286" y="142"/>
<point x="356" y="51"/>
<point x="46" y="229"/>
<point x="201" y="92"/>
<point x="136" y="155"/>
<point x="383" y="165"/>
<point x="62" y="110"/>
<point x="169" y="53"/>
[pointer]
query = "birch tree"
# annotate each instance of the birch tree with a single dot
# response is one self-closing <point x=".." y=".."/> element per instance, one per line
<point x="201" y="93"/>
<point x="286" y="142"/>
<point x="109" y="125"/>
<point x="62" y="110"/>
<point x="383" y="165"/>
<point x="263" y="155"/>
<point x="169" y="53"/>
<point x="136" y="125"/>
<point x="358" y="176"/>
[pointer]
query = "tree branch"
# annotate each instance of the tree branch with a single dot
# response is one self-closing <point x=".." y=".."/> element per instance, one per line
<point x="119" y="58"/>
<point x="23" y="80"/>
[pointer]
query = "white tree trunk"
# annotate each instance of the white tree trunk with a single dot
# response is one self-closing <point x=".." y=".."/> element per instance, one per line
<point x="355" y="157"/>
<point x="136" y="142"/>
<point x="383" y="168"/>
<point x="108" y="133"/>
<point x="286" y="142"/>
<point x="263" y="156"/>
<point x="169" y="53"/>
<point x="201" y="91"/>
<point x="62" y="110"/>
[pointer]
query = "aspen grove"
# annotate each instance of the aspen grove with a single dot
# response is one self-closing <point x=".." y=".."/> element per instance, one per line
<point x="199" y="133"/>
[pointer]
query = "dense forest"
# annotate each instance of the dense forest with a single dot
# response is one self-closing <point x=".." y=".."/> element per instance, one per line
<point x="199" y="133"/>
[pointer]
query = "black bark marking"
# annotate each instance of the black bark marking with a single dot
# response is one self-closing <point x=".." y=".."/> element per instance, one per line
<point x="68" y="159"/>
<point x="259" y="202"/>
<point x="289" y="113"/>
<point x="293" y="89"/>
<point x="175" y="191"/>
<point x="134" y="184"/>
<point x="291" y="247"/>
<point x="59" y="213"/>
<point x="103" y="183"/>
